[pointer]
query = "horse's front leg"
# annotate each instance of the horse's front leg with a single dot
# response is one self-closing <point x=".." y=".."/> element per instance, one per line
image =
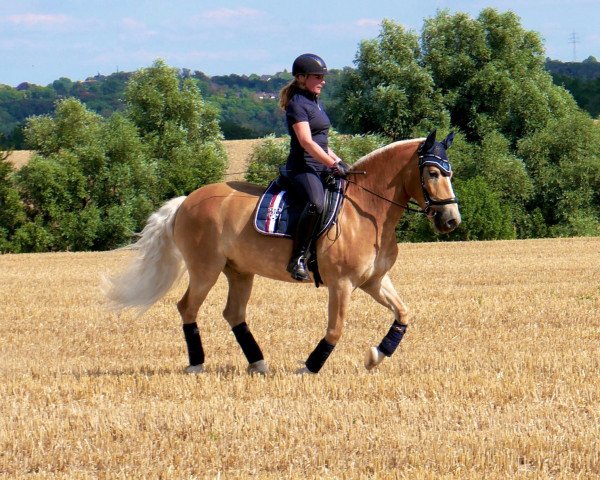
<point x="339" y="296"/>
<point x="383" y="291"/>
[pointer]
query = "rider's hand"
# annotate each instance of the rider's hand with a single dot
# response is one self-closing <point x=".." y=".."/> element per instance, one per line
<point x="340" y="169"/>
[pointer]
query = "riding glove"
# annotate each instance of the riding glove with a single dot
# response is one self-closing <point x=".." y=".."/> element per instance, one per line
<point x="340" y="169"/>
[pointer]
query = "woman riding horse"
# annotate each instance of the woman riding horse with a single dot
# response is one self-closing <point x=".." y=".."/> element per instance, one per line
<point x="310" y="156"/>
<point x="212" y="231"/>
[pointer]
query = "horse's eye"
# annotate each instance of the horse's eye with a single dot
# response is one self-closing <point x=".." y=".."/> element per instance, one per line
<point x="434" y="174"/>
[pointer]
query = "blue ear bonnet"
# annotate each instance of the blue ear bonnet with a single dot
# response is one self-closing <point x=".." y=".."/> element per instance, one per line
<point x="437" y="157"/>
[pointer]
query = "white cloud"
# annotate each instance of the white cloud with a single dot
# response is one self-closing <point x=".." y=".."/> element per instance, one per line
<point x="228" y="17"/>
<point x="225" y="14"/>
<point x="133" y="24"/>
<point x="136" y="30"/>
<point x="350" y="29"/>
<point x="39" y="19"/>
<point x="368" y="22"/>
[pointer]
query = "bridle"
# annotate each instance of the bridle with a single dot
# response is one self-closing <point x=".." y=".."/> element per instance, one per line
<point x="424" y="160"/>
<point x="444" y="165"/>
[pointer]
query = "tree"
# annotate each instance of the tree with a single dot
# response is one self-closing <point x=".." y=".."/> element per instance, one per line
<point x="563" y="160"/>
<point x="484" y="217"/>
<point x="491" y="74"/>
<point x="390" y="92"/>
<point x="180" y="129"/>
<point x="89" y="185"/>
<point x="62" y="86"/>
<point x="12" y="214"/>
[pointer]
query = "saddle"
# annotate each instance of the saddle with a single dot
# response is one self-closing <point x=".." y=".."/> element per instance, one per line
<point x="278" y="211"/>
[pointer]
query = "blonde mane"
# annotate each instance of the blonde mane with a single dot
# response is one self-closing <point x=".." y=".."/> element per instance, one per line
<point x="363" y="161"/>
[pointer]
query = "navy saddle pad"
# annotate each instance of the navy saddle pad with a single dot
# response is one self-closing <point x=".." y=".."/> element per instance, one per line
<point x="277" y="213"/>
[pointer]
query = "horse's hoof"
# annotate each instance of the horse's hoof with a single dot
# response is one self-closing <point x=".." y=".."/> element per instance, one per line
<point x="258" y="368"/>
<point x="373" y="358"/>
<point x="195" y="369"/>
<point x="304" y="371"/>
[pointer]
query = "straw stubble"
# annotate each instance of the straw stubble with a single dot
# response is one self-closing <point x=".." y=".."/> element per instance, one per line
<point x="497" y="376"/>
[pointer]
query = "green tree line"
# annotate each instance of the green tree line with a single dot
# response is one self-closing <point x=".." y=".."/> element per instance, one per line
<point x="245" y="103"/>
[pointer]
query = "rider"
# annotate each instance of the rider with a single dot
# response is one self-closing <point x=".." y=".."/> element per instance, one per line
<point x="310" y="155"/>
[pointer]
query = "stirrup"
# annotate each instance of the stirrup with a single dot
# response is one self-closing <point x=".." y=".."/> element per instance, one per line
<point x="297" y="268"/>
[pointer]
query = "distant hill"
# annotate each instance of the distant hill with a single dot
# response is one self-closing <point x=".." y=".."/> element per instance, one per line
<point x="581" y="79"/>
<point x="248" y="103"/>
<point x="589" y="69"/>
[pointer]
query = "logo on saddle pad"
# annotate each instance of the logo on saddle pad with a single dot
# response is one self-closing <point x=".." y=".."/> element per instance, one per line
<point x="277" y="213"/>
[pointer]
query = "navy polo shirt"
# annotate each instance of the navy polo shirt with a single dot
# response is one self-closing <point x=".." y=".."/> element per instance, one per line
<point x="304" y="106"/>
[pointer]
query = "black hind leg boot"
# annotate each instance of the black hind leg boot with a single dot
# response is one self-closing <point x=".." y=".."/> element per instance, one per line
<point x="304" y="233"/>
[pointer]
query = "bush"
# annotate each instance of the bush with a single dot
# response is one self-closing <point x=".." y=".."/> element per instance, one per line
<point x="265" y="160"/>
<point x="484" y="216"/>
<point x="89" y="186"/>
<point x="414" y="227"/>
<point x="579" y="224"/>
<point x="350" y="148"/>
<point x="271" y="153"/>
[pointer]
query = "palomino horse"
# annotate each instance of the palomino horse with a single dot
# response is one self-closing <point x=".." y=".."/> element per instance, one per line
<point x="211" y="231"/>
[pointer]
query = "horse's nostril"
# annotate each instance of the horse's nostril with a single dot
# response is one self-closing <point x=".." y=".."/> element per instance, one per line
<point x="452" y="223"/>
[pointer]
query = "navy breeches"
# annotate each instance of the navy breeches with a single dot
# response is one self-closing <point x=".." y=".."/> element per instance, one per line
<point x="309" y="187"/>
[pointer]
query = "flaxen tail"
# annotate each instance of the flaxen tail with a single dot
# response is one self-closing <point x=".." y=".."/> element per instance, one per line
<point x="157" y="266"/>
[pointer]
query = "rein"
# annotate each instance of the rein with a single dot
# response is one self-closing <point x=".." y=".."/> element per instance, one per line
<point x="407" y="207"/>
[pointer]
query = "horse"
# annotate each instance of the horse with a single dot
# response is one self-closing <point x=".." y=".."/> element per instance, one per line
<point x="211" y="231"/>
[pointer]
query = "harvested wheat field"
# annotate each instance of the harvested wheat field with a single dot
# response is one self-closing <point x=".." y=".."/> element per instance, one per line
<point x="238" y="153"/>
<point x="18" y="158"/>
<point x="497" y="377"/>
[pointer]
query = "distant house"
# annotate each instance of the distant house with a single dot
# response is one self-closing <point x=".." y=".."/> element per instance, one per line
<point x="266" y="96"/>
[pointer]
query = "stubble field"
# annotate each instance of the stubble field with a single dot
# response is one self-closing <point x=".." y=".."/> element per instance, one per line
<point x="497" y="377"/>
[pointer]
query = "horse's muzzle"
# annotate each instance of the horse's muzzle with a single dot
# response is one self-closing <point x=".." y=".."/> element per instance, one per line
<point x="445" y="218"/>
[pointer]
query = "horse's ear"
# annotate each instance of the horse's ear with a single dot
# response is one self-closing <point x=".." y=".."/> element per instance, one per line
<point x="429" y="141"/>
<point x="446" y="142"/>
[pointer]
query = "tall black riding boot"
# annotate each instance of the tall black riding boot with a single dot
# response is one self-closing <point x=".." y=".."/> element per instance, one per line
<point x="304" y="233"/>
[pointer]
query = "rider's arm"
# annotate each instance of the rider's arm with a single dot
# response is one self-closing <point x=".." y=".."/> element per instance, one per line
<point x="302" y="131"/>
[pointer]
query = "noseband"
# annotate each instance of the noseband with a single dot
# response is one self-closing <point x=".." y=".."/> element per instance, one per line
<point x="444" y="165"/>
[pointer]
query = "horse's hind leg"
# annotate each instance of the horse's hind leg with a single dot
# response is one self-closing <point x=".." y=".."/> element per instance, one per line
<point x="188" y="307"/>
<point x="240" y="287"/>
<point x="383" y="291"/>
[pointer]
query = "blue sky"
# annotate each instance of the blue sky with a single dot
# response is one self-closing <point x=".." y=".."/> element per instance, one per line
<point x="42" y="40"/>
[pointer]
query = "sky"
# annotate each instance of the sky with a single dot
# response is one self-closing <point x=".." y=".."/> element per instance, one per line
<point x="43" y="40"/>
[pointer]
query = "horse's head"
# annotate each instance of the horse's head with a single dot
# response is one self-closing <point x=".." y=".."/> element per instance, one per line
<point x="437" y="196"/>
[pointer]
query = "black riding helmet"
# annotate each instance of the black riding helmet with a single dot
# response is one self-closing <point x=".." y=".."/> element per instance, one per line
<point x="309" y="63"/>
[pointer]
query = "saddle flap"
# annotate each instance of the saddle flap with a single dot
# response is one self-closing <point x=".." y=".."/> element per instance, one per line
<point x="277" y="211"/>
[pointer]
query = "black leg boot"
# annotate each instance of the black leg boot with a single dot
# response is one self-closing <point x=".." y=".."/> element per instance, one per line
<point x="304" y="233"/>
